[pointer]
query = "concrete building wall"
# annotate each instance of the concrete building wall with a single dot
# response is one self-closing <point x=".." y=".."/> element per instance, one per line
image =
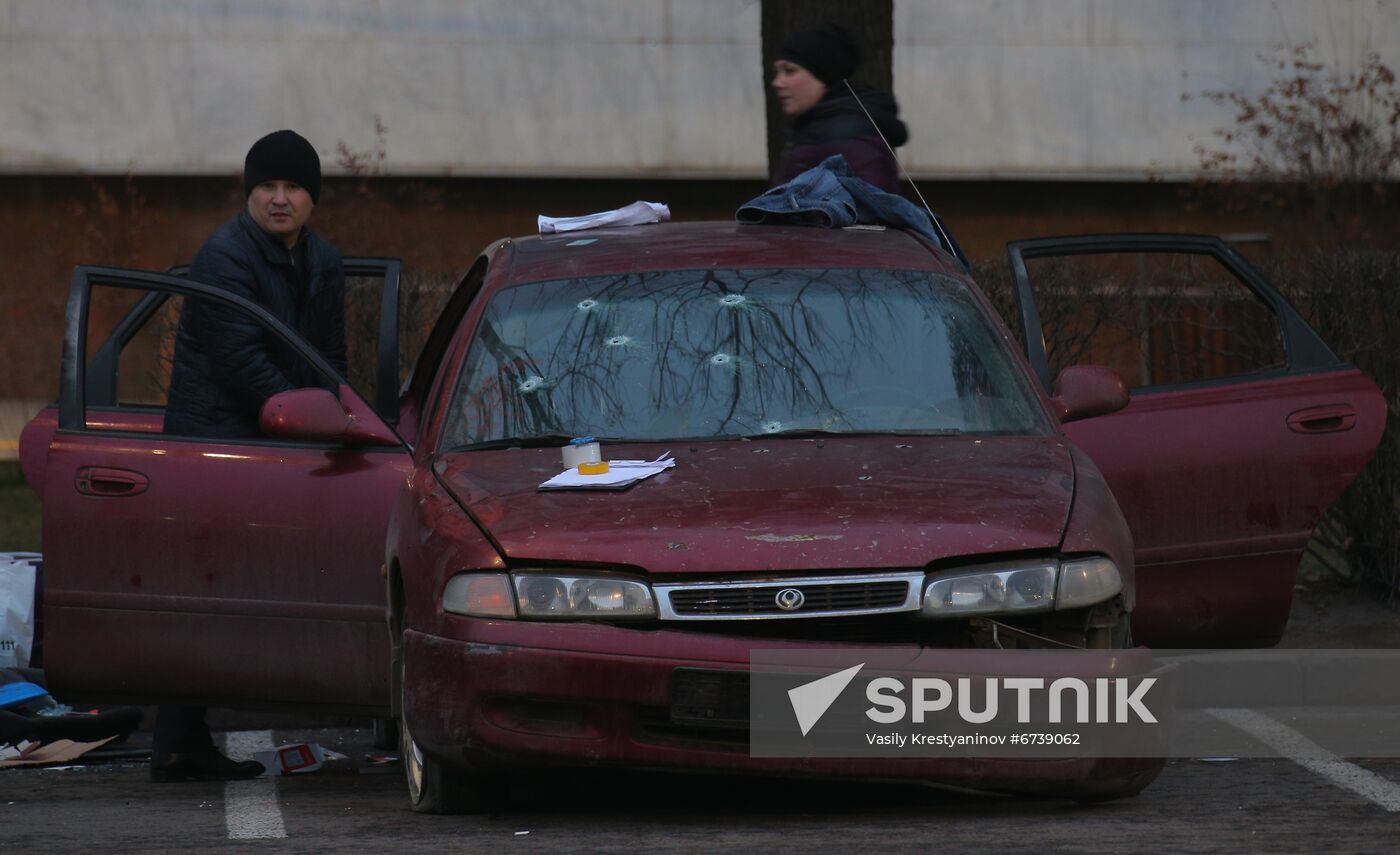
<point x="513" y="87"/>
<point x="990" y="88"/>
<point x="1093" y="88"/>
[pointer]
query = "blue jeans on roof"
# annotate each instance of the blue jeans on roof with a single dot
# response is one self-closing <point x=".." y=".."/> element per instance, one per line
<point x="829" y="195"/>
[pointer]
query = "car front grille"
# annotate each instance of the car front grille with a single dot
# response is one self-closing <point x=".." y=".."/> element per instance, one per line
<point x="825" y="596"/>
<point x="761" y="601"/>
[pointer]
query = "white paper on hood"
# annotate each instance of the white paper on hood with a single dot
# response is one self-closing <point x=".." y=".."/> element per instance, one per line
<point x="620" y="474"/>
<point x="636" y="214"/>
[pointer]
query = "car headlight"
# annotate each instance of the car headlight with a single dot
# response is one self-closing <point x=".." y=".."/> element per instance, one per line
<point x="1021" y="588"/>
<point x="548" y="596"/>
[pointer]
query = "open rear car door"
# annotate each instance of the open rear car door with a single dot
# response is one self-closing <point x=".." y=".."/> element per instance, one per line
<point x="1242" y="431"/>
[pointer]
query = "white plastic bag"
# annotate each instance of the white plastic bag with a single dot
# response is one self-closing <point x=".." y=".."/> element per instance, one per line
<point x="17" y="571"/>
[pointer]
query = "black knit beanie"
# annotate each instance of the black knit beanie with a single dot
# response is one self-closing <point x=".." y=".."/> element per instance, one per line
<point x="828" y="51"/>
<point x="283" y="156"/>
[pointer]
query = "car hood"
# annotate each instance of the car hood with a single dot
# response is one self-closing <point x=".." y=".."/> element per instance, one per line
<point x="791" y="504"/>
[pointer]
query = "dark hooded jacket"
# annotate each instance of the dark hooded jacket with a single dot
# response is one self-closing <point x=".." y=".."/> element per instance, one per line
<point x="837" y="125"/>
<point x="226" y="364"/>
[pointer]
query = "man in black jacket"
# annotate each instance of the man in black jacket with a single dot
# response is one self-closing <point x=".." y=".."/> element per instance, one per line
<point x="226" y="365"/>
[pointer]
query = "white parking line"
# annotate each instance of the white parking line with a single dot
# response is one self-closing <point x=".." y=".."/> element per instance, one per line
<point x="1313" y="757"/>
<point x="251" y="811"/>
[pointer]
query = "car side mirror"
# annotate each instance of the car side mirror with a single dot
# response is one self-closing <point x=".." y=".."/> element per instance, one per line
<point x="1085" y="391"/>
<point x="317" y="415"/>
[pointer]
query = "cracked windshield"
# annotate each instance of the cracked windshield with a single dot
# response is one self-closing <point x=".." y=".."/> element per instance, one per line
<point x="726" y="353"/>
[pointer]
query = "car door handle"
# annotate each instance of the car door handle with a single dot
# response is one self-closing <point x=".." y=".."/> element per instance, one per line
<point x="1329" y="419"/>
<point x="102" y="481"/>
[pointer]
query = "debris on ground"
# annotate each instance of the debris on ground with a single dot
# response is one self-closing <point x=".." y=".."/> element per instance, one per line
<point x="296" y="759"/>
<point x="35" y="729"/>
<point x="28" y="753"/>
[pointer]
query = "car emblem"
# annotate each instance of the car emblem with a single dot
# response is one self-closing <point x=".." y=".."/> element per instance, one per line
<point x="789" y="599"/>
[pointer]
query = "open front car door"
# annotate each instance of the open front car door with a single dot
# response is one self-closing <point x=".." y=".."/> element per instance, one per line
<point x="212" y="570"/>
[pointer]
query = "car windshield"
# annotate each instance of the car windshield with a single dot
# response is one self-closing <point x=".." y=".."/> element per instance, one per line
<point x="726" y="353"/>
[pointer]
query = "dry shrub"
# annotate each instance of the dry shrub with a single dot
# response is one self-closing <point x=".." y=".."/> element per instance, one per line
<point x="421" y="298"/>
<point x="1320" y="144"/>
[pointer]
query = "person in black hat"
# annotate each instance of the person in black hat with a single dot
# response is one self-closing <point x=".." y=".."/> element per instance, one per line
<point x="226" y="365"/>
<point x="810" y="79"/>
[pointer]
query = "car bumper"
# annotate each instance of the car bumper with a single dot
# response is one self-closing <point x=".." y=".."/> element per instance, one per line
<point x="587" y="698"/>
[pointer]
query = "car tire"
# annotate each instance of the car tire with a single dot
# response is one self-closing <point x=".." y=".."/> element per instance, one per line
<point x="1113" y="789"/>
<point x="435" y="787"/>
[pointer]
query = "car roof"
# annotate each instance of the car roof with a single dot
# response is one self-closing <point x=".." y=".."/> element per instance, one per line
<point x="706" y="245"/>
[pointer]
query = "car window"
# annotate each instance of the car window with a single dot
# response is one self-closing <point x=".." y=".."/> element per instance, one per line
<point x="713" y="353"/>
<point x="131" y="336"/>
<point x="143" y="374"/>
<point x="1158" y="318"/>
<point x="129" y="391"/>
<point x="362" y="295"/>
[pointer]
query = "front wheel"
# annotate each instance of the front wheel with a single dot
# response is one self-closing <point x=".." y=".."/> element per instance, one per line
<point x="1113" y="789"/>
<point x="434" y="787"/>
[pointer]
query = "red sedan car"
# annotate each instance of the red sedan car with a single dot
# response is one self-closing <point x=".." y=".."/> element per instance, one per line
<point x="849" y="419"/>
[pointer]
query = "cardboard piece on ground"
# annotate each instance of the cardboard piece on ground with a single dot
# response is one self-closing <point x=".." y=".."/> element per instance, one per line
<point x="58" y="751"/>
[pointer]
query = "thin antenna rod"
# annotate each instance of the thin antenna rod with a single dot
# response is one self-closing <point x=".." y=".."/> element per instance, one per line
<point x="902" y="171"/>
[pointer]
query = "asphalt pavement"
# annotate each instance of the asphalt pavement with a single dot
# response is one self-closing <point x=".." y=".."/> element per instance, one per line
<point x="354" y="805"/>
